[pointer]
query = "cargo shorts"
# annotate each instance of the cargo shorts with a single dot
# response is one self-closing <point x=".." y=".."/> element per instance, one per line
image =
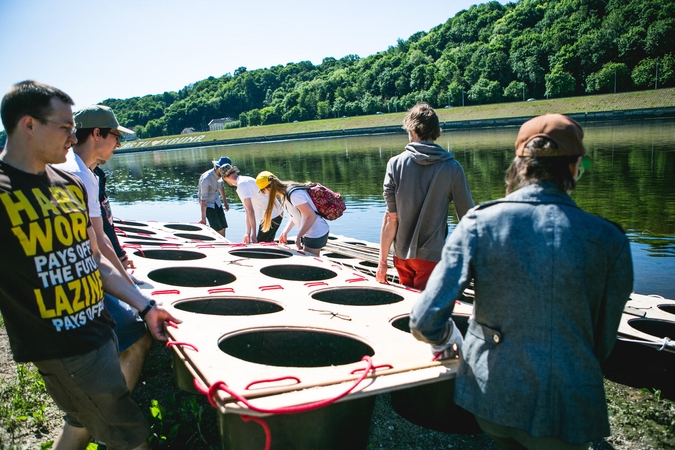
<point x="91" y="390"/>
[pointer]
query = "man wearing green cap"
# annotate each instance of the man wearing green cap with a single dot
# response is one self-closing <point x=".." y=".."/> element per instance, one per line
<point x="551" y="283"/>
<point x="98" y="135"/>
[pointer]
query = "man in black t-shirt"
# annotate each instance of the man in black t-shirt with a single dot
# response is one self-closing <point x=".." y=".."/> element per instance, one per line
<point x="52" y="276"/>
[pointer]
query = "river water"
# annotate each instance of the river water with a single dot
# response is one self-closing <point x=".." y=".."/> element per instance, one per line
<point x="632" y="182"/>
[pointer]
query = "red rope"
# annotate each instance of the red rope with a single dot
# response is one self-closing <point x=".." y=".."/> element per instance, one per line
<point x="270" y="287"/>
<point x="266" y="428"/>
<point x="253" y="383"/>
<point x="169" y="291"/>
<point x="356" y="280"/>
<point x="212" y="390"/>
<point x="168" y="245"/>
<point x="118" y="231"/>
<point x="217" y="290"/>
<point x="381" y="366"/>
<point x="316" y="283"/>
<point x="171" y="324"/>
<point x="186" y="344"/>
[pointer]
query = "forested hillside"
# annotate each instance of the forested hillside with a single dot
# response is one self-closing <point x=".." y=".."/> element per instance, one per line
<point x="486" y="54"/>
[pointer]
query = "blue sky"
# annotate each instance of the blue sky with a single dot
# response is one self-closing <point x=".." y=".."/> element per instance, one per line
<point x="95" y="50"/>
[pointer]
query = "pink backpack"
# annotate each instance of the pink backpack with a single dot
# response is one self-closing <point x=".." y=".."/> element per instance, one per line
<point x="329" y="204"/>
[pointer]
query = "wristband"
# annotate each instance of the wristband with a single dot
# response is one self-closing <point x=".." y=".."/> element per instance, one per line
<point x="147" y="309"/>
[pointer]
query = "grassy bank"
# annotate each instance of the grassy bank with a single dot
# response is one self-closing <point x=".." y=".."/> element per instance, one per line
<point x="660" y="98"/>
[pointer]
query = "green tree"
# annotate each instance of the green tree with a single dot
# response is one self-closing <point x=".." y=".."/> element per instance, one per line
<point x="138" y="129"/>
<point x="515" y="91"/>
<point x="610" y="76"/>
<point x="339" y="107"/>
<point x="323" y="109"/>
<point x="559" y="83"/>
<point x="645" y="73"/>
<point x="269" y="116"/>
<point x="660" y="37"/>
<point x="455" y="92"/>
<point x="253" y="117"/>
<point x="370" y="104"/>
<point x="485" y="91"/>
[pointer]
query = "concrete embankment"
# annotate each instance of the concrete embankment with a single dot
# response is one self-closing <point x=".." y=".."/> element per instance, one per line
<point x="200" y="139"/>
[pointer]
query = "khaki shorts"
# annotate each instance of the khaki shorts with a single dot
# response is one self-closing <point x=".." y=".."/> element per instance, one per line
<point x="91" y="390"/>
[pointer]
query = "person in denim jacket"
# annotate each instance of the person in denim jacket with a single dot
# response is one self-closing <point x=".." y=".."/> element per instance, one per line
<point x="551" y="282"/>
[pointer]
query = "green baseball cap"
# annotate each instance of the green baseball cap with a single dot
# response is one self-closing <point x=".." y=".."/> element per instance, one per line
<point x="98" y="116"/>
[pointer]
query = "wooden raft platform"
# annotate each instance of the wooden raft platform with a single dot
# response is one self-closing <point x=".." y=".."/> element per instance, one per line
<point x="260" y="312"/>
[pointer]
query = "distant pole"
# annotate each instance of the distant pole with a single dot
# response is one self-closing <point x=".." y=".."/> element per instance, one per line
<point x="615" y="80"/>
<point x="462" y="97"/>
<point x="523" y="92"/>
<point x="656" y="78"/>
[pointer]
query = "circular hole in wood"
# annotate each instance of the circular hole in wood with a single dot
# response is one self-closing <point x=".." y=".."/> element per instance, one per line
<point x="228" y="306"/>
<point x="357" y="296"/>
<point x="181" y="227"/>
<point x="134" y="230"/>
<point x="654" y="327"/>
<point x="298" y="273"/>
<point x="368" y="263"/>
<point x="196" y="237"/>
<point x="403" y="323"/>
<point x="295" y="347"/>
<point x="670" y="309"/>
<point x="130" y="224"/>
<point x="191" y="276"/>
<point x="147" y="238"/>
<point x="261" y="253"/>
<point x="170" y="255"/>
<point x="337" y="256"/>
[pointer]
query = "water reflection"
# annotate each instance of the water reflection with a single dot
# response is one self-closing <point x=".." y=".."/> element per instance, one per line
<point x="632" y="181"/>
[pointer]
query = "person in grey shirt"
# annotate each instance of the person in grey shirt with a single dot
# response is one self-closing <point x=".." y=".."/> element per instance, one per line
<point x="210" y="185"/>
<point x="551" y="282"/>
<point x="419" y="185"/>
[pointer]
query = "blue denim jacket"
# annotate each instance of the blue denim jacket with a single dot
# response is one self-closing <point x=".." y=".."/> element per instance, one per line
<point x="551" y="282"/>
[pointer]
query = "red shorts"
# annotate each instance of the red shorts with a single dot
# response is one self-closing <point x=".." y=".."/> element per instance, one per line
<point x="414" y="272"/>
